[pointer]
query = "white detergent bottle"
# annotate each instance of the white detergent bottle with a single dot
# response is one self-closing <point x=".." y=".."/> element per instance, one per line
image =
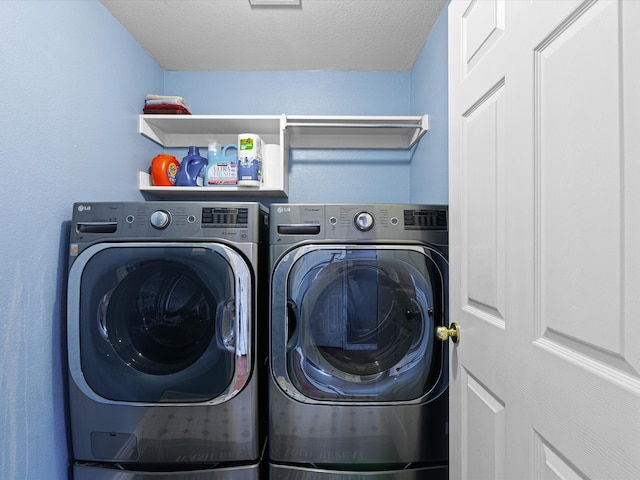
<point x="218" y="172"/>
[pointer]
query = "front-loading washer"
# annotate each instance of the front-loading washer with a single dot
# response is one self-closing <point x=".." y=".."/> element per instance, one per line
<point x="163" y="353"/>
<point x="358" y="380"/>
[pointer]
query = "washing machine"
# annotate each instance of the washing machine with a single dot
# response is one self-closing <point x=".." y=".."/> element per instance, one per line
<point x="358" y="379"/>
<point x="163" y="352"/>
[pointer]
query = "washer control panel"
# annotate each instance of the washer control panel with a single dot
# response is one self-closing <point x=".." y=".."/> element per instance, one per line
<point x="170" y="221"/>
<point x="220" y="217"/>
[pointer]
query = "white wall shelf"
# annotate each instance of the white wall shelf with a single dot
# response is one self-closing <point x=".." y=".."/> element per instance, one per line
<point x="293" y="131"/>
<point x="356" y="132"/>
<point x="266" y="190"/>
<point x="187" y="130"/>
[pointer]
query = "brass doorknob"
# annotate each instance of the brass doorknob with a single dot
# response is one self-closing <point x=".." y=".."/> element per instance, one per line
<point x="443" y="333"/>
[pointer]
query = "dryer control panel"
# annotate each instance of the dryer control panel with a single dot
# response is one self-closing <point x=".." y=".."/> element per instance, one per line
<point x="292" y="223"/>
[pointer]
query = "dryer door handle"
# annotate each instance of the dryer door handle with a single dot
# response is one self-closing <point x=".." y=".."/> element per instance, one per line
<point x="225" y="325"/>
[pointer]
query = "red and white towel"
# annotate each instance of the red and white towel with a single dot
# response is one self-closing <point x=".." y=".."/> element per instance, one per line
<point x="166" y="104"/>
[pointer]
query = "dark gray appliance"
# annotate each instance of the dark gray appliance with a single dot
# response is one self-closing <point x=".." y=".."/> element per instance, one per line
<point x="163" y="357"/>
<point x="358" y="379"/>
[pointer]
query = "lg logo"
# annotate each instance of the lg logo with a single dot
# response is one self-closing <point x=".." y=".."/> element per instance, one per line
<point x="284" y="209"/>
<point x="84" y="208"/>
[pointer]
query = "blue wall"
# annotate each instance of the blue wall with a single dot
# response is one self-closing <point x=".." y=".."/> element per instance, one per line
<point x="73" y="83"/>
<point x="429" y="94"/>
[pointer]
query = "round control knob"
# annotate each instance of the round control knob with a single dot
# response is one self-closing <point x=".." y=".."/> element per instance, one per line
<point x="363" y="221"/>
<point x="160" y="219"/>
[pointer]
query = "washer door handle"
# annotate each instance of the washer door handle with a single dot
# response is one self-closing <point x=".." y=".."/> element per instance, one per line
<point x="443" y="333"/>
<point x="292" y="322"/>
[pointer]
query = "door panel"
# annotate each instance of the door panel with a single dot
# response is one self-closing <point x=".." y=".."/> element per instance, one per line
<point x="477" y="259"/>
<point x="482" y="27"/>
<point x="543" y="178"/>
<point x="483" y="228"/>
<point x="484" y="435"/>
<point x="575" y="150"/>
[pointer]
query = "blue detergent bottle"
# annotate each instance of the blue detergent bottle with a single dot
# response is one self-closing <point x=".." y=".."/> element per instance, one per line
<point x="191" y="171"/>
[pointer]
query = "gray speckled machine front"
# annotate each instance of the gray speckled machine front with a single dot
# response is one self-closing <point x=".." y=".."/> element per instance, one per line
<point x="358" y="381"/>
<point x="164" y="360"/>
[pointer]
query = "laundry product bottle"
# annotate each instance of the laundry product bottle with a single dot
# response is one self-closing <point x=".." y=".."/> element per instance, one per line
<point x="164" y="169"/>
<point x="192" y="169"/>
<point x="221" y="170"/>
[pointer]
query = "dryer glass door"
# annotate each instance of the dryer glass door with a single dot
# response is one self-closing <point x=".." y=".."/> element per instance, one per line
<point x="162" y="324"/>
<point x="360" y="323"/>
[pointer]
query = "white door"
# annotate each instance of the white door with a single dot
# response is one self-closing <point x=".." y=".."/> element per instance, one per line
<point x="544" y="108"/>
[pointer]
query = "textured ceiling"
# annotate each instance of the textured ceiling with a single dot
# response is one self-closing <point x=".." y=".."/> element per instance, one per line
<point x="231" y="35"/>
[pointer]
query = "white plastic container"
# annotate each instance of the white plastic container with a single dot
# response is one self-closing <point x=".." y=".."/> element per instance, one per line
<point x="249" y="160"/>
<point x="272" y="166"/>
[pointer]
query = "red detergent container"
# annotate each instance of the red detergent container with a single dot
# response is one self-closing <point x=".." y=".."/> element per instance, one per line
<point x="164" y="168"/>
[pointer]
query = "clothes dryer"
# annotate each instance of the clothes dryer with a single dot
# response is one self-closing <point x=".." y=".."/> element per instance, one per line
<point x="358" y="380"/>
<point x="163" y="357"/>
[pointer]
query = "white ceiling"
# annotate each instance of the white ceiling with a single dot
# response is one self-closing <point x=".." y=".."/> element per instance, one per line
<point x="231" y="35"/>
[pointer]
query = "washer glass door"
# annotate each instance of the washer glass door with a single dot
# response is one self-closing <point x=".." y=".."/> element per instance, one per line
<point x="360" y="322"/>
<point x="161" y="323"/>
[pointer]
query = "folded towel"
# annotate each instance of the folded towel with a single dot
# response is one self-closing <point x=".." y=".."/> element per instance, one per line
<point x="166" y="108"/>
<point x="168" y="97"/>
<point x="164" y="112"/>
<point x="166" y="102"/>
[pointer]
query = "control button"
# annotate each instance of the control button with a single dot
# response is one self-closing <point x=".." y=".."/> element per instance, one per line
<point x="191" y="218"/>
<point x="394" y="220"/>
<point x="160" y="219"/>
<point x="333" y="220"/>
<point x="129" y="219"/>
<point x="363" y="221"/>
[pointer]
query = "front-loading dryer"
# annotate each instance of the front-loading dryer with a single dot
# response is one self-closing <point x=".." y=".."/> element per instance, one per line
<point x="163" y="353"/>
<point x="358" y="379"/>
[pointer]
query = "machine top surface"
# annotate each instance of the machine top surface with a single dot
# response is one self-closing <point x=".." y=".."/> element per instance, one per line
<point x="293" y="223"/>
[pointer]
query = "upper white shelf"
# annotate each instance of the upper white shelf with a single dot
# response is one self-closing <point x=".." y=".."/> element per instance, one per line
<point x="187" y="130"/>
<point x="303" y="131"/>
